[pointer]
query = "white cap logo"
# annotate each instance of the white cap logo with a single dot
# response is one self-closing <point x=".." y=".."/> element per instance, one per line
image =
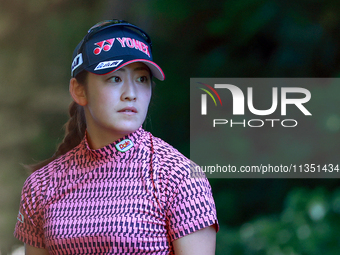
<point x="77" y="61"/>
<point x="108" y="64"/>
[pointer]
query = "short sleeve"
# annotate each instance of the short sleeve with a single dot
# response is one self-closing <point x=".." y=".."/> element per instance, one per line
<point x="29" y="228"/>
<point x="192" y="207"/>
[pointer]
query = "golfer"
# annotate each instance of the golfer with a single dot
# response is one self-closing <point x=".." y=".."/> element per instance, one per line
<point x="112" y="187"/>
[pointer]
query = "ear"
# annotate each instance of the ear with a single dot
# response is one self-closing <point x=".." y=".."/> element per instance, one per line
<point x="78" y="92"/>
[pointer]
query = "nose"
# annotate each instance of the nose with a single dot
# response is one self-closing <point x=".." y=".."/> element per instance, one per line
<point x="129" y="91"/>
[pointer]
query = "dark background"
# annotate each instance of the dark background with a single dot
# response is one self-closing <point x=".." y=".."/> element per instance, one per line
<point x="235" y="38"/>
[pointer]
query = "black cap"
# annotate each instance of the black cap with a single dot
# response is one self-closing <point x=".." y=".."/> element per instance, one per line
<point x="111" y="48"/>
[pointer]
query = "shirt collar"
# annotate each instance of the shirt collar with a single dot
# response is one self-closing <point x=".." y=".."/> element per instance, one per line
<point x="124" y="146"/>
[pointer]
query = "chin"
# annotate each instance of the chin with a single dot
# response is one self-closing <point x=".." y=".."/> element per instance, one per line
<point x="127" y="129"/>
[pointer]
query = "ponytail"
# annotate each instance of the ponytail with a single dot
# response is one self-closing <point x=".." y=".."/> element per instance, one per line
<point x="74" y="130"/>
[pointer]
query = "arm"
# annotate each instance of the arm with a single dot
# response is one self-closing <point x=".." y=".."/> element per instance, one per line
<point x="200" y="242"/>
<point x="31" y="250"/>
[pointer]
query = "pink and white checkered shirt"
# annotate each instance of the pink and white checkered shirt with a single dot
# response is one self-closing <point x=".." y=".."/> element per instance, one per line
<point x="107" y="201"/>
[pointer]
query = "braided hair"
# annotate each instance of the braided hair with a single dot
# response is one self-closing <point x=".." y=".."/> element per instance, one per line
<point x="74" y="129"/>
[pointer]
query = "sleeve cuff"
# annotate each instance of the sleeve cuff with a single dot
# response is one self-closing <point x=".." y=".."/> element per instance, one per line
<point x="193" y="226"/>
<point x="30" y="240"/>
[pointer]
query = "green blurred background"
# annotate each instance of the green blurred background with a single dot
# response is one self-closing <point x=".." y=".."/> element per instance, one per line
<point x="235" y="38"/>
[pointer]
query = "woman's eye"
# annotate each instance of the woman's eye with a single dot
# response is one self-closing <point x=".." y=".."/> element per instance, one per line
<point x="143" y="79"/>
<point x="115" y="79"/>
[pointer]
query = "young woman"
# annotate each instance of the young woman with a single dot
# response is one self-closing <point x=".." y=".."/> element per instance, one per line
<point x="112" y="187"/>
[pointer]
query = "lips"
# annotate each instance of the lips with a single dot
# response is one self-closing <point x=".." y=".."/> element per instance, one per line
<point x="128" y="110"/>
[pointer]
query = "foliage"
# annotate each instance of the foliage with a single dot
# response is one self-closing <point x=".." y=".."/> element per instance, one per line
<point x="308" y="225"/>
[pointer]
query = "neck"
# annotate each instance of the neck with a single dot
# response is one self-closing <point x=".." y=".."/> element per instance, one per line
<point x="99" y="140"/>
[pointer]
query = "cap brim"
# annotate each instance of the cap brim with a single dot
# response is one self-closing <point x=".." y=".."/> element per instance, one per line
<point x="155" y="69"/>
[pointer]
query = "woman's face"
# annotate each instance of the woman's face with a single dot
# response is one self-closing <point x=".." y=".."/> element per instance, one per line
<point x="117" y="103"/>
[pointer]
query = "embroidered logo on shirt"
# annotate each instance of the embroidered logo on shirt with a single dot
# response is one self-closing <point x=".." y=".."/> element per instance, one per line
<point x="124" y="145"/>
<point x="20" y="217"/>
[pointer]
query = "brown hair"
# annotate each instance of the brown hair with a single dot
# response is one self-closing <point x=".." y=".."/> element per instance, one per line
<point x="74" y="129"/>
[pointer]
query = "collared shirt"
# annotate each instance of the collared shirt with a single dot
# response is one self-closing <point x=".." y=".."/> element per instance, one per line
<point x="134" y="196"/>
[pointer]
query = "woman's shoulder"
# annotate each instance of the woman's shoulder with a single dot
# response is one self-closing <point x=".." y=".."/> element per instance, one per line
<point x="167" y="151"/>
<point x="170" y="159"/>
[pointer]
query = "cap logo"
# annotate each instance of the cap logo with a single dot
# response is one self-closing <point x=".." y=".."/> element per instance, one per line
<point x="133" y="43"/>
<point x="105" y="45"/>
<point x="77" y="61"/>
<point x="108" y="64"/>
<point x="124" y="145"/>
